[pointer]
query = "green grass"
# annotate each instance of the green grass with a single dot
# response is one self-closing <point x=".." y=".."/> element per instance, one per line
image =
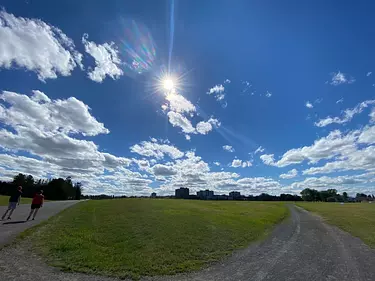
<point x="355" y="218"/>
<point x="139" y="237"/>
<point x="4" y="200"/>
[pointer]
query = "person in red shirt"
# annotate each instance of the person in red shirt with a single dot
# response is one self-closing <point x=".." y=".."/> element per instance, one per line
<point x="37" y="203"/>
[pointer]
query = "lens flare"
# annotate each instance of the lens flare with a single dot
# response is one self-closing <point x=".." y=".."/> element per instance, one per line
<point x="168" y="84"/>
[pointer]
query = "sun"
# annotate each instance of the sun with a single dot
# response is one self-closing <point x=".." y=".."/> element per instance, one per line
<point x="168" y="84"/>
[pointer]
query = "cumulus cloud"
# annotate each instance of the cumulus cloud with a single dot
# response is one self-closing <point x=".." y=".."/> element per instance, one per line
<point x="236" y="163"/>
<point x="217" y="163"/>
<point x="268" y="94"/>
<point x="325" y="148"/>
<point x="290" y="174"/>
<point x="205" y="127"/>
<point x="322" y="183"/>
<point x="107" y="60"/>
<point x="309" y="105"/>
<point x="339" y="78"/>
<point x="347" y="114"/>
<point x="178" y="120"/>
<point x="45" y="130"/>
<point x="156" y="150"/>
<point x="228" y="148"/>
<point x="36" y="46"/>
<point x="163" y="170"/>
<point x="179" y="103"/>
<point x="38" y="111"/>
<point x="218" y="91"/>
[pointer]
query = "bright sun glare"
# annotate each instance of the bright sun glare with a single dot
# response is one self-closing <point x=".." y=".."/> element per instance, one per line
<point x="168" y="84"/>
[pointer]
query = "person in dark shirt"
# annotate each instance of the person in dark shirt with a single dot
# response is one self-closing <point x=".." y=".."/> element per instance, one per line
<point x="14" y="200"/>
<point x="37" y="203"/>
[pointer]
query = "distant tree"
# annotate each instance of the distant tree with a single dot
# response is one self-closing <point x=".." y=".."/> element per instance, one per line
<point x="345" y="196"/>
<point x="78" y="190"/>
<point x="29" y="181"/>
<point x="19" y="179"/>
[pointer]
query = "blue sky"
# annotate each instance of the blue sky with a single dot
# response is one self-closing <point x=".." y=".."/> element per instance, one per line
<point x="266" y="97"/>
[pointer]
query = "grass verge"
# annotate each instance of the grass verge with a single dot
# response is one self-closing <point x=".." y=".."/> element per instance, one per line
<point x="355" y="218"/>
<point x="4" y="200"/>
<point x="144" y="237"/>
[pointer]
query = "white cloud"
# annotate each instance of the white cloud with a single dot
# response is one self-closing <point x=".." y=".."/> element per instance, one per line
<point x="350" y="184"/>
<point x="260" y="149"/>
<point x="36" y="46"/>
<point x="217" y="163"/>
<point x="178" y="120"/>
<point x="217" y="89"/>
<point x="236" y="163"/>
<point x="205" y="127"/>
<point x="187" y="137"/>
<point x="309" y="104"/>
<point x="179" y="103"/>
<point x="218" y="92"/>
<point x="163" y="170"/>
<point x="325" y="148"/>
<point x="340" y="101"/>
<point x="227" y="81"/>
<point x="268" y="94"/>
<point x="368" y="73"/>
<point x="107" y="60"/>
<point x="156" y="150"/>
<point x="339" y="78"/>
<point x="268" y="159"/>
<point x="68" y="116"/>
<point x="44" y="128"/>
<point x="347" y="114"/>
<point x="228" y="148"/>
<point x="290" y="174"/>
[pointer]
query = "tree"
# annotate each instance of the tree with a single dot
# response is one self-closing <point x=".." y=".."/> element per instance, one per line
<point x="345" y="195"/>
<point x="19" y="179"/>
<point x="78" y="190"/>
<point x="29" y="181"/>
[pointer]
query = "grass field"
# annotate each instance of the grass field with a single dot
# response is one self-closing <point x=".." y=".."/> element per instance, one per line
<point x="139" y="237"/>
<point x="355" y="218"/>
<point x="4" y="200"/>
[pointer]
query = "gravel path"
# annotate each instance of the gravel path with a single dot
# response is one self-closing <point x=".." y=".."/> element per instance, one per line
<point x="9" y="229"/>
<point x="302" y="248"/>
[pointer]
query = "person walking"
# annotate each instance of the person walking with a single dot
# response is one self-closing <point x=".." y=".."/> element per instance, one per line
<point x="36" y="204"/>
<point x="14" y="200"/>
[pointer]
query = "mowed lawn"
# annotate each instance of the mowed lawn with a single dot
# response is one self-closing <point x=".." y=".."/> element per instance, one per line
<point x="145" y="237"/>
<point x="4" y="200"/>
<point x="355" y="218"/>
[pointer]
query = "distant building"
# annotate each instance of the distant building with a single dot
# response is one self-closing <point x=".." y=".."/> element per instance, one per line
<point x="205" y="194"/>
<point x="234" y="195"/>
<point x="182" y="192"/>
<point x="153" y="195"/>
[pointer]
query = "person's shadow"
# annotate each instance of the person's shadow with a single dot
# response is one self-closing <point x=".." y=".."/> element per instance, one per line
<point x="14" y="222"/>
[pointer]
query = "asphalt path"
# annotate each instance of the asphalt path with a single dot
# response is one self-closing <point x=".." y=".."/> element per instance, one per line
<point x="9" y="229"/>
<point x="301" y="248"/>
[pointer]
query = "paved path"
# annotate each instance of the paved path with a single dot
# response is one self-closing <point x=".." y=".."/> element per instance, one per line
<point x="302" y="248"/>
<point x="9" y="229"/>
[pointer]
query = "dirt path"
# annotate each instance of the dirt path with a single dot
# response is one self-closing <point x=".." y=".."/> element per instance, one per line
<point x="9" y="229"/>
<point x="302" y="248"/>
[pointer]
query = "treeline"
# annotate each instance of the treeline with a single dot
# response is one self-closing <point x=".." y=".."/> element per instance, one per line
<point x="54" y="189"/>
<point x="267" y="197"/>
<point x="331" y="195"/>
